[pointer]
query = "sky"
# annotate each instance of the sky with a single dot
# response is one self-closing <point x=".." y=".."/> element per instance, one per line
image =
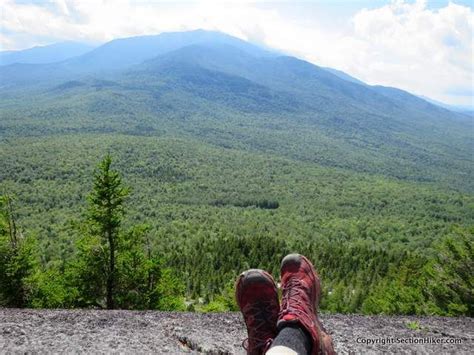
<point x="422" y="46"/>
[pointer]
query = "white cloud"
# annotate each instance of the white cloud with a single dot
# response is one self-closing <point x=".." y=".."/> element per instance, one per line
<point x="402" y="44"/>
<point x="406" y="45"/>
<point x="410" y="46"/>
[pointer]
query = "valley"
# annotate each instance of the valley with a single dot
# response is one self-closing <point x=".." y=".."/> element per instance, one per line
<point x="237" y="155"/>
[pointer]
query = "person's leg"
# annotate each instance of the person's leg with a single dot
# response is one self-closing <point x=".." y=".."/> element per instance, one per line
<point x="257" y="297"/>
<point x="298" y="315"/>
<point x="292" y="339"/>
<point x="281" y="350"/>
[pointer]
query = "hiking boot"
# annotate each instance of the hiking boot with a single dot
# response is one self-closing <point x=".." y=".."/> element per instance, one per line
<point x="257" y="297"/>
<point x="301" y="290"/>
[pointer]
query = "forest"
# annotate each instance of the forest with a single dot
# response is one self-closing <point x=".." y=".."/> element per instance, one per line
<point x="195" y="216"/>
<point x="226" y="157"/>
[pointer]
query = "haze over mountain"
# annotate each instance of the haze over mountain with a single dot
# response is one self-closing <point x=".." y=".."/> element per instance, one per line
<point x="45" y="54"/>
<point x="121" y="53"/>
<point x="468" y="110"/>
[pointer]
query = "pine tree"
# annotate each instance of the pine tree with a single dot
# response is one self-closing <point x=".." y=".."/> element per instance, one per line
<point x="106" y="209"/>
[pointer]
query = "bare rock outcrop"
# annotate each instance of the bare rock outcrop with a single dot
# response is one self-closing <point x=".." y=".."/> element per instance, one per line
<point x="93" y="331"/>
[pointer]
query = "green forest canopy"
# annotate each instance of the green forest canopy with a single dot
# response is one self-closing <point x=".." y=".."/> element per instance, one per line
<point x="208" y="216"/>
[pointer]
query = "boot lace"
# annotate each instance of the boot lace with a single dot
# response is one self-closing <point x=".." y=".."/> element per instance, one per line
<point x="295" y="298"/>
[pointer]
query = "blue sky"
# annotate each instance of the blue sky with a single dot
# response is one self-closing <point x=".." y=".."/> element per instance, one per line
<point x="425" y="47"/>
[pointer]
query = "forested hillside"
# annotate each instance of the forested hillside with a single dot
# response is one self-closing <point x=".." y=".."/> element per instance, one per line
<point x="236" y="156"/>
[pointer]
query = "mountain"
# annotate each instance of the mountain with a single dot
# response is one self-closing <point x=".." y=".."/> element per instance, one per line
<point x="345" y="76"/>
<point x="200" y="74"/>
<point x="464" y="109"/>
<point x="45" y="54"/>
<point x="303" y="111"/>
<point x="397" y="93"/>
<point x="237" y="155"/>
<point x="313" y="89"/>
<point x="119" y="54"/>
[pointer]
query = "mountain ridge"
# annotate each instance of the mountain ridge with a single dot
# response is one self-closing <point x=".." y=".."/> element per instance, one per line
<point x="228" y="78"/>
<point x="56" y="52"/>
<point x="143" y="48"/>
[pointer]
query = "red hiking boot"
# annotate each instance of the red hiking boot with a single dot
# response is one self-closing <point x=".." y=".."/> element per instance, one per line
<point x="257" y="297"/>
<point x="301" y="289"/>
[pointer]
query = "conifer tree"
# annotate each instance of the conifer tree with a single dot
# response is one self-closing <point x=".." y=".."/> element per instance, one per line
<point x="106" y="209"/>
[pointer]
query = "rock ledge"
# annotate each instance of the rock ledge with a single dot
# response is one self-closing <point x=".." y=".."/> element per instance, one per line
<point x="92" y="331"/>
